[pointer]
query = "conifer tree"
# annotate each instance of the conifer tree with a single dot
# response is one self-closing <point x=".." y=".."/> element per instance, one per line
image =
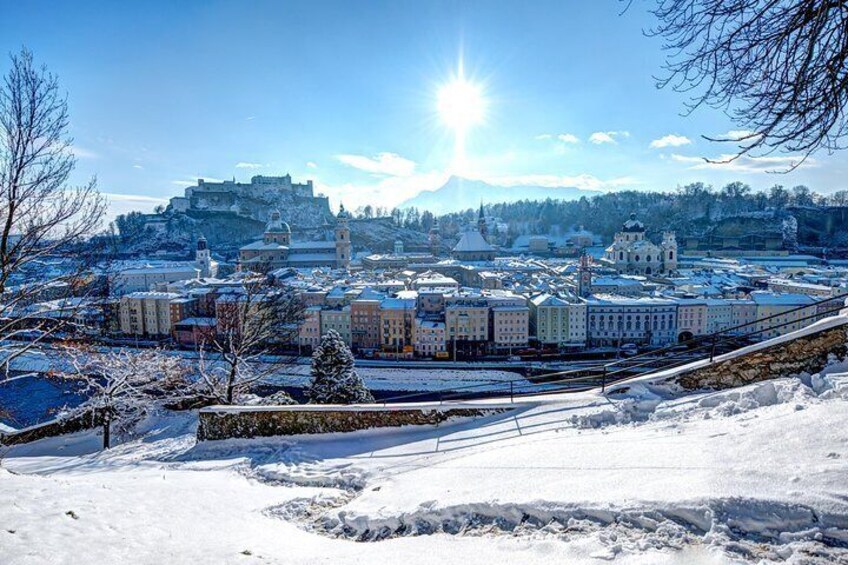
<point x="334" y="378"/>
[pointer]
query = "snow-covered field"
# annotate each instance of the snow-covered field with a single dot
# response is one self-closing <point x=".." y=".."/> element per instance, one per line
<point x="755" y="474"/>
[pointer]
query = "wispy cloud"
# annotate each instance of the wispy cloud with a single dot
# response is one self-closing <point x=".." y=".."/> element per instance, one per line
<point x="312" y="164"/>
<point x="737" y="135"/>
<point x="601" y="137"/>
<point x="83" y="153"/>
<point x="137" y="166"/>
<point x="123" y="203"/>
<point x="563" y="137"/>
<point x="390" y="164"/>
<point x="743" y="164"/>
<point x="188" y="180"/>
<point x="670" y="140"/>
<point x="248" y="165"/>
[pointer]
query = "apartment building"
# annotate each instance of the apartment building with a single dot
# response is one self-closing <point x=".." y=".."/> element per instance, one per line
<point x="143" y="279"/>
<point x="467" y="326"/>
<point x="182" y="308"/>
<point x="309" y="332"/>
<point x="556" y="321"/>
<point x="510" y="326"/>
<point x="743" y="312"/>
<point x="719" y="315"/>
<point x="691" y="318"/>
<point x="396" y="321"/>
<point x="429" y="338"/>
<point x="784" y="310"/>
<point x="146" y="313"/>
<point x="616" y="320"/>
<point x="337" y="319"/>
<point x="365" y="322"/>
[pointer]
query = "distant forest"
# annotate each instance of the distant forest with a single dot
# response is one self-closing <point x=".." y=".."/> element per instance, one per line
<point x="688" y="210"/>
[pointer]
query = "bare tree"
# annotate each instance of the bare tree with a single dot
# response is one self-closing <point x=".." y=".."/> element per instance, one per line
<point x="839" y="198"/>
<point x="123" y="385"/>
<point x="251" y="321"/>
<point x="778" y="67"/>
<point x="41" y="217"/>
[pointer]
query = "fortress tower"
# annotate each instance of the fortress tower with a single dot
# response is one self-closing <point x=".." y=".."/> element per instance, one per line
<point x="343" y="246"/>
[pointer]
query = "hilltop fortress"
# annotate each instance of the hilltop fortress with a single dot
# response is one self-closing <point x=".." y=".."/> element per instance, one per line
<point x="296" y="201"/>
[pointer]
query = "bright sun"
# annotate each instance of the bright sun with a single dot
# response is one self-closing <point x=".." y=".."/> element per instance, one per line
<point x="461" y="104"/>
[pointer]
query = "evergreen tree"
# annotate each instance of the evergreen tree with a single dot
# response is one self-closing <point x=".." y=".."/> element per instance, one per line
<point x="334" y="379"/>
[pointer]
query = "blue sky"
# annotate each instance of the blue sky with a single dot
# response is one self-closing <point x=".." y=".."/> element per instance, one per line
<point x="345" y="93"/>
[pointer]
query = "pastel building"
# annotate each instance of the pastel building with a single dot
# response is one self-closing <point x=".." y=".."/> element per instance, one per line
<point x="396" y="320"/>
<point x="365" y="321"/>
<point x="309" y="333"/>
<point x="429" y="338"/>
<point x="467" y="326"/>
<point x="743" y="312"/>
<point x="556" y="321"/>
<point x="719" y="315"/>
<point x="337" y="319"/>
<point x="616" y="320"/>
<point x="510" y="326"/>
<point x="146" y="313"/>
<point x="691" y="318"/>
<point x="785" y="310"/>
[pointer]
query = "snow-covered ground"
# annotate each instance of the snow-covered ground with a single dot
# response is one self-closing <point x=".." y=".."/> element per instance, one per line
<point x="418" y="378"/>
<point x="754" y="474"/>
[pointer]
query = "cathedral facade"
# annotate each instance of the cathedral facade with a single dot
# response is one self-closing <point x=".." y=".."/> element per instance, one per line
<point x="277" y="250"/>
<point x="632" y="253"/>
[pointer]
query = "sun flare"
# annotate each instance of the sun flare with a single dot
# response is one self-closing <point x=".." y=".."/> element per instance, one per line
<point x="461" y="104"/>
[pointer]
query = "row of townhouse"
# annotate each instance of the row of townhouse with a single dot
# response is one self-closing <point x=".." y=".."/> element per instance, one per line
<point x="434" y="322"/>
<point x="425" y="324"/>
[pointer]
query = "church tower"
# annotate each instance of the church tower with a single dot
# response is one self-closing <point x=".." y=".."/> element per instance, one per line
<point x="435" y="238"/>
<point x="203" y="258"/>
<point x="343" y="247"/>
<point x="584" y="276"/>
<point x="669" y="250"/>
<point x="481" y="222"/>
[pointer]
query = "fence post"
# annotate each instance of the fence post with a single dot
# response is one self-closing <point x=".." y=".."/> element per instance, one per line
<point x="511" y="397"/>
<point x="604" y="379"/>
<point x="712" y="349"/>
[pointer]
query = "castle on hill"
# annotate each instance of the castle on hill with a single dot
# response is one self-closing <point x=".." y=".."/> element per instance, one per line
<point x="255" y="199"/>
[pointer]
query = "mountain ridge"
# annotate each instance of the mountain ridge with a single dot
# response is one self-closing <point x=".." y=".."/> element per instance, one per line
<point x="459" y="193"/>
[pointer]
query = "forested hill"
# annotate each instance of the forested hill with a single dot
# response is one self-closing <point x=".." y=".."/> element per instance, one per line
<point x="692" y="209"/>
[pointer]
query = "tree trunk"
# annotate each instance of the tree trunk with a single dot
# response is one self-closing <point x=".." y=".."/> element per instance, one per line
<point x="231" y="384"/>
<point x="107" y="432"/>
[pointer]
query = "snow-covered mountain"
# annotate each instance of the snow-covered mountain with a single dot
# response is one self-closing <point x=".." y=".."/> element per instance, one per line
<point x="459" y="193"/>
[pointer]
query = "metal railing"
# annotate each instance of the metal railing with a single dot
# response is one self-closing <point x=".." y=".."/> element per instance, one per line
<point x="696" y="349"/>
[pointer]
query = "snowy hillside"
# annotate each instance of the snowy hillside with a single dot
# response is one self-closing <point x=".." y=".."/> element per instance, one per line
<point x="755" y="474"/>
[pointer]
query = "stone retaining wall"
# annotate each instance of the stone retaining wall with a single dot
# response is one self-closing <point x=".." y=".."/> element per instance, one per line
<point x="53" y="428"/>
<point x="806" y="353"/>
<point x="219" y="422"/>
